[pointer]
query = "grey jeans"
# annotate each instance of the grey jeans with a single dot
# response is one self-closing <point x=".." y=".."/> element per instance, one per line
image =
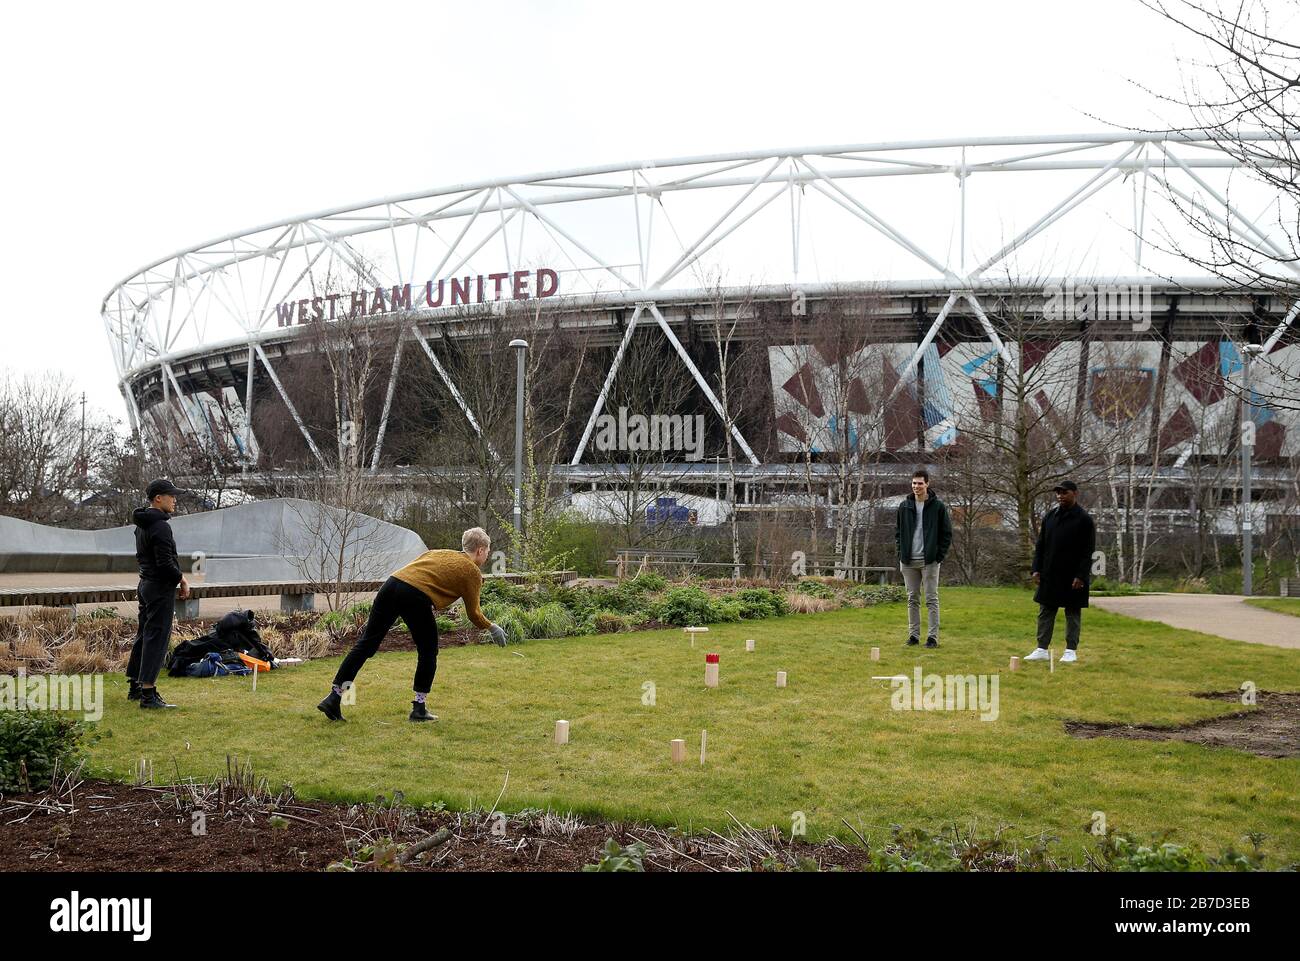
<point x="913" y="579"/>
<point x="1047" y="621"/>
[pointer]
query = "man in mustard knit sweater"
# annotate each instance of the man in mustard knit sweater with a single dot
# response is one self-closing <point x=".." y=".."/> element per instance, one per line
<point x="434" y="580"/>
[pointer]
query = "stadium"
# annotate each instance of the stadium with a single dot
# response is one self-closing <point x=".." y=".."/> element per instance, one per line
<point x="657" y="495"/>
<point x="817" y="311"/>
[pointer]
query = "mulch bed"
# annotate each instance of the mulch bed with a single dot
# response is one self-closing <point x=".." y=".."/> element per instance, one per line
<point x="101" y="826"/>
<point x="1271" y="729"/>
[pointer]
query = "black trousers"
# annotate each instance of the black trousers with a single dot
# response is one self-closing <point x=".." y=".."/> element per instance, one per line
<point x="397" y="599"/>
<point x="1047" y="623"/>
<point x="153" y="632"/>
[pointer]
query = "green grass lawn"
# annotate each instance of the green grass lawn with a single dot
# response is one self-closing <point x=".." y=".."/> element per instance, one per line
<point x="1282" y="605"/>
<point x="828" y="745"/>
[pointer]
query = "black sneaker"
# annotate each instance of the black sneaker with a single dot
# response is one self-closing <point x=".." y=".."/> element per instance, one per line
<point x="932" y="642"/>
<point x="421" y="713"/>
<point x="150" y="699"/>
<point x="132" y="690"/>
<point x="330" y="707"/>
<point x="913" y="641"/>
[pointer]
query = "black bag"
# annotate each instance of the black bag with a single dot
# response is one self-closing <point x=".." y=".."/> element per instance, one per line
<point x="229" y="636"/>
<point x="238" y="630"/>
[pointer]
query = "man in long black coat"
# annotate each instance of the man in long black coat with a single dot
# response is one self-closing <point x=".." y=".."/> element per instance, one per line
<point x="1062" y="569"/>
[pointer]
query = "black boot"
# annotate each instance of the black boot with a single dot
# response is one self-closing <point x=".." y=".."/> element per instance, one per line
<point x="330" y="707"/>
<point x="132" y="690"/>
<point x="421" y="713"/>
<point x="932" y="642"/>
<point x="150" y="699"/>
<point x="913" y="641"/>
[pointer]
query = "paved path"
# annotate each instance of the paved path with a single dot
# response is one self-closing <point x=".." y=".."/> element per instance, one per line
<point x="1226" y="615"/>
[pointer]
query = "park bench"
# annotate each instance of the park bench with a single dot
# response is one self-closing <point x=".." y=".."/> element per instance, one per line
<point x="838" y="568"/>
<point x="630" y="560"/>
<point x="294" y="595"/>
<point x="781" y="567"/>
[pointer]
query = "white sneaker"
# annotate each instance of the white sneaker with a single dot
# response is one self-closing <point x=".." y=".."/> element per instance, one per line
<point x="1038" y="654"/>
<point x="1069" y="657"/>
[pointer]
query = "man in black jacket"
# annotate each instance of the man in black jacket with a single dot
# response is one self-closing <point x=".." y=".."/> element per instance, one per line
<point x="160" y="582"/>
<point x="1062" y="570"/>
<point x="923" y="535"/>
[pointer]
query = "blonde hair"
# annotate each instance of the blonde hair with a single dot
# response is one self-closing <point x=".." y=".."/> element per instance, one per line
<point x="473" y="539"/>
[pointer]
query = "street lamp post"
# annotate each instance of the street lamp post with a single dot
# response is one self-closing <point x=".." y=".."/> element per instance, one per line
<point x="1247" y="449"/>
<point x="521" y="348"/>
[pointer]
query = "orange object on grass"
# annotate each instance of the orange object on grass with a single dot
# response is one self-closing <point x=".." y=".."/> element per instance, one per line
<point x="253" y="662"/>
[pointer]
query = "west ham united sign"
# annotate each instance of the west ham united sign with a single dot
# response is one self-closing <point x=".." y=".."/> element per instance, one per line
<point x="473" y="289"/>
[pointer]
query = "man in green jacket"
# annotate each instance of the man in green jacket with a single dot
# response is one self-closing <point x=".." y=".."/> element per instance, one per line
<point x="923" y="536"/>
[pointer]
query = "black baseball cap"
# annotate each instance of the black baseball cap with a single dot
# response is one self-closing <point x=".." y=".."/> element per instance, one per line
<point x="161" y="486"/>
<point x="1066" y="485"/>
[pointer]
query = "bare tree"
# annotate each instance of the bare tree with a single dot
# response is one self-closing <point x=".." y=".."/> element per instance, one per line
<point x="555" y="370"/>
<point x="333" y="537"/>
<point x="846" y="338"/>
<point x="734" y="360"/>
<point x="457" y="404"/>
<point x="43" y="447"/>
<point x="339" y="382"/>
<point x="1247" y="84"/>
<point x="975" y="510"/>
<point x="835" y="371"/>
<point x="1026" y="418"/>
<point x="650" y="383"/>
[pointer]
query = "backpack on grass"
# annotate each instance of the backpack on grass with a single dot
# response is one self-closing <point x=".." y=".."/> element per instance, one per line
<point x="234" y="634"/>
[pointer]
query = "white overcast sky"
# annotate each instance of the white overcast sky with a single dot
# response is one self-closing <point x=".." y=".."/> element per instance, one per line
<point x="134" y="129"/>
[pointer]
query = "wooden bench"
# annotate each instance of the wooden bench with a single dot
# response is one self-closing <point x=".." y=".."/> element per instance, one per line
<point x="294" y="595"/>
<point x="625" y="558"/>
<point x="839" y="568"/>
